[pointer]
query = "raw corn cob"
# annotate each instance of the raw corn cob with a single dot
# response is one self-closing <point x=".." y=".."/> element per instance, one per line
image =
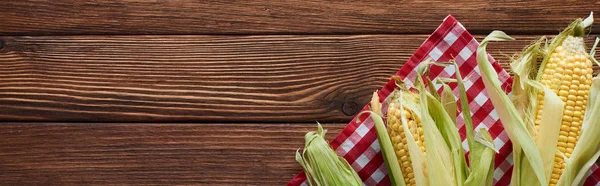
<point x="568" y="73"/>
<point x="321" y="163"/>
<point x="395" y="114"/>
<point x="551" y="114"/>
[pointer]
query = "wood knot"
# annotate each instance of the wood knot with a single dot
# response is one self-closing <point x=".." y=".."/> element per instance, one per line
<point x="350" y="108"/>
<point x="1" y="43"/>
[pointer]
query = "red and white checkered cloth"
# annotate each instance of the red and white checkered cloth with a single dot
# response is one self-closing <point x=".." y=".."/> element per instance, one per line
<point x="357" y="143"/>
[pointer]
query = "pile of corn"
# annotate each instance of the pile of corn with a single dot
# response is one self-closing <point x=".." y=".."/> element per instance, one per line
<point x="549" y="118"/>
<point x="552" y="118"/>
<point x="421" y="144"/>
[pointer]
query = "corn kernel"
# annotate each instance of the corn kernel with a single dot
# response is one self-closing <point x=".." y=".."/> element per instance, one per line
<point x="574" y="129"/>
<point x="562" y="138"/>
<point x="572" y="133"/>
<point x="563" y="93"/>
<point x="571" y="141"/>
<point x="577" y="113"/>
<point x="568" y="112"/>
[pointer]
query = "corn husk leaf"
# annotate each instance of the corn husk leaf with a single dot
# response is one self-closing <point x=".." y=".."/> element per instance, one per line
<point x="422" y="68"/>
<point x="464" y="104"/>
<point x="482" y="168"/>
<point x="399" y="82"/>
<point x="419" y="161"/>
<point x="524" y="97"/>
<point x="582" y="173"/>
<point x="588" y="21"/>
<point x="526" y="170"/>
<point x="445" y="124"/>
<point x="432" y="89"/>
<point x="567" y="178"/>
<point x="515" y="178"/>
<point x="446" y="80"/>
<point x="387" y="149"/>
<point x="593" y="51"/>
<point x="509" y="115"/>
<point x="549" y="126"/>
<point x="480" y="158"/>
<point x="438" y="152"/>
<point x="376" y="105"/>
<point x="449" y="102"/>
<point x="547" y="136"/>
<point x="322" y="165"/>
<point x="466" y="111"/>
<point x="525" y="66"/>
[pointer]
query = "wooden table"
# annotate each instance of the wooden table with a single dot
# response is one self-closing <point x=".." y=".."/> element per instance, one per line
<point x="217" y="92"/>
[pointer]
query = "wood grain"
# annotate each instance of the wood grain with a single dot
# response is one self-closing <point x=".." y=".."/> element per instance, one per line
<point x="67" y="17"/>
<point x="201" y="78"/>
<point x="151" y="154"/>
<point x="195" y="78"/>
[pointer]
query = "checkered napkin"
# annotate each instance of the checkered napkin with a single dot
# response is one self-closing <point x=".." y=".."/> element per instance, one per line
<point x="357" y="143"/>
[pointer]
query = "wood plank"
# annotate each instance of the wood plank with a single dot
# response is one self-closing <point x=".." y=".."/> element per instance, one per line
<point x="151" y="154"/>
<point x="281" y="78"/>
<point x="66" y="17"/>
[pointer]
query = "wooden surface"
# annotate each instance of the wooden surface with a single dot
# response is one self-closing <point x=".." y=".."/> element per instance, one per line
<point x="148" y="154"/>
<point x="157" y="92"/>
<point x="201" y="78"/>
<point x="64" y="17"/>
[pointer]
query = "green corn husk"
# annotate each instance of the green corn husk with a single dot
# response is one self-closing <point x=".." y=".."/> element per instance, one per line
<point x="523" y="143"/>
<point x="441" y="138"/>
<point x="482" y="146"/>
<point x="522" y="94"/>
<point x="447" y="127"/>
<point x="482" y="168"/>
<point x="441" y="169"/>
<point x="323" y="167"/>
<point x="550" y="130"/>
<point x="466" y="112"/>
<point x="449" y="102"/>
<point x="432" y="89"/>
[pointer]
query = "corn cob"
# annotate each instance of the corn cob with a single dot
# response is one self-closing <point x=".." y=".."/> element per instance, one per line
<point x="321" y="163"/>
<point x="568" y="73"/>
<point x="394" y="120"/>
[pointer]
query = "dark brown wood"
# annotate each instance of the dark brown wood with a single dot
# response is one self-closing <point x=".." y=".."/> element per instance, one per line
<point x="151" y="154"/>
<point x="195" y="78"/>
<point x="67" y="17"/>
<point x="201" y="78"/>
